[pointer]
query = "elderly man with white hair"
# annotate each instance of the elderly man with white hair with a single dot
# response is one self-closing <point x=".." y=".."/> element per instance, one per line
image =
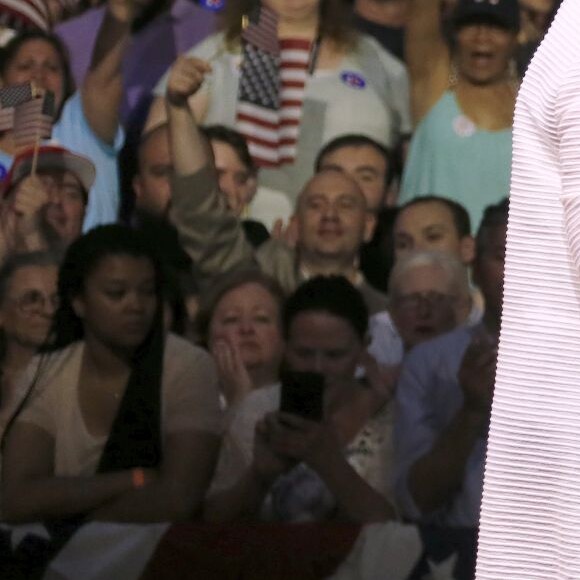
<point x="429" y="294"/>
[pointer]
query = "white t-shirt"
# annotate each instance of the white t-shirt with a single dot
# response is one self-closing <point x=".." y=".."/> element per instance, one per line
<point x="189" y="402"/>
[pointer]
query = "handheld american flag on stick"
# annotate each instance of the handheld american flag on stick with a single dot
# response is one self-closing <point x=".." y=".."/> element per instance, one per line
<point x="271" y="91"/>
<point x="10" y="98"/>
<point x="33" y="120"/>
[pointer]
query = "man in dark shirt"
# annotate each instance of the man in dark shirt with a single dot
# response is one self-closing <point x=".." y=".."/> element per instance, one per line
<point x="384" y="20"/>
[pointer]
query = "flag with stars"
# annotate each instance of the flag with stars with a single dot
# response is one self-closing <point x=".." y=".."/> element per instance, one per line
<point x="271" y="90"/>
<point x="33" y="120"/>
<point x="11" y="97"/>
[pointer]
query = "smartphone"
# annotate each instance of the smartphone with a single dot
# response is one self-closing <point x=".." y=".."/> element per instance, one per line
<point x="302" y="394"/>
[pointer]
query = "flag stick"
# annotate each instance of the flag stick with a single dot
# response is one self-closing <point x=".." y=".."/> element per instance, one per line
<point x="35" y="154"/>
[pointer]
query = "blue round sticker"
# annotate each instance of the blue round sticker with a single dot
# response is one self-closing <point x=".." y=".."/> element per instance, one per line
<point x="3" y="172"/>
<point x="215" y="5"/>
<point x="353" y="79"/>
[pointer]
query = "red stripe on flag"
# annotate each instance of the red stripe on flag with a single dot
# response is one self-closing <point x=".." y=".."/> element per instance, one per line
<point x="274" y="145"/>
<point x="257" y="121"/>
<point x="295" y="44"/>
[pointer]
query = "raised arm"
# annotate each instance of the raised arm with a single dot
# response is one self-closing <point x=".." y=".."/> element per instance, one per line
<point x="427" y="56"/>
<point x="211" y="234"/>
<point x="102" y="88"/>
<point x="188" y="148"/>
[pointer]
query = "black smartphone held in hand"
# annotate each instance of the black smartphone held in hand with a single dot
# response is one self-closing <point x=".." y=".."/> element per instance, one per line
<point x="302" y="394"/>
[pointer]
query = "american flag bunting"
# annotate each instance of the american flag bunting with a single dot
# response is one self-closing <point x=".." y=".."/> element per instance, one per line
<point x="11" y="97"/>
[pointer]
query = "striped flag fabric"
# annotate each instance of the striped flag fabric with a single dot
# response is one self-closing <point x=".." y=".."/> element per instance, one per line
<point x="262" y="31"/>
<point x="270" y="100"/>
<point x="33" y="120"/>
<point x="272" y="83"/>
<point x="25" y="14"/>
<point x="11" y="97"/>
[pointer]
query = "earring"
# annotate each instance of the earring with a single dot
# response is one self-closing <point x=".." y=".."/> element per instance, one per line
<point x="453" y="75"/>
<point x="252" y="15"/>
<point x="513" y="75"/>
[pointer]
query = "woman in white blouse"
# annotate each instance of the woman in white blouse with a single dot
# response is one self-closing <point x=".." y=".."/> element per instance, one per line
<point x="120" y="421"/>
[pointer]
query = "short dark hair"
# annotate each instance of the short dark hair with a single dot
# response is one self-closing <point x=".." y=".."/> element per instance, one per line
<point x="461" y="219"/>
<point x="493" y="216"/>
<point x="332" y="294"/>
<point x="146" y="136"/>
<point x="356" y="140"/>
<point x="235" y="140"/>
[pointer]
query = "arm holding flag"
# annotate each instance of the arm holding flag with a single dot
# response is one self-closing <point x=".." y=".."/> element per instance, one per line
<point x="210" y="233"/>
<point x="188" y="147"/>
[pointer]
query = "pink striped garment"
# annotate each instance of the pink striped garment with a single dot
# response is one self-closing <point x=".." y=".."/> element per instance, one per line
<point x="530" y="519"/>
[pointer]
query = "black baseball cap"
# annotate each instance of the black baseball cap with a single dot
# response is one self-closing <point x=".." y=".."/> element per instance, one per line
<point x="506" y="13"/>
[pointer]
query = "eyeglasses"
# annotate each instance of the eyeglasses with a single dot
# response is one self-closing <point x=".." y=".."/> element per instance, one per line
<point x="432" y="299"/>
<point x="33" y="302"/>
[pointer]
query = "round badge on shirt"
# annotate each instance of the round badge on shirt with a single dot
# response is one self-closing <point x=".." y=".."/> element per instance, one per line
<point x="353" y="79"/>
<point x="463" y="126"/>
<point x="215" y="5"/>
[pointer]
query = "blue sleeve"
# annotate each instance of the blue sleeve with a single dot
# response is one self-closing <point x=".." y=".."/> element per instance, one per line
<point x="414" y="434"/>
<point x="73" y="132"/>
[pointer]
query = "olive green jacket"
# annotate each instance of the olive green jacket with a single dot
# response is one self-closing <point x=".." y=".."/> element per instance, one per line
<point x="214" y="239"/>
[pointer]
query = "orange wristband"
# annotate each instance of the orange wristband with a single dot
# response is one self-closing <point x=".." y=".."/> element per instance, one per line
<point x="138" y="477"/>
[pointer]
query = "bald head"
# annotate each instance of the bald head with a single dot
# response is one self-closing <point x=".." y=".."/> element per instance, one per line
<point x="332" y="217"/>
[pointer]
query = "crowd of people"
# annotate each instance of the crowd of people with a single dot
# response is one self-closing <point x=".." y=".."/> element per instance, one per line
<point x="323" y="205"/>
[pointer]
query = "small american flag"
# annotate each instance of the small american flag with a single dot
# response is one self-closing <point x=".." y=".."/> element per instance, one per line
<point x="11" y="97"/>
<point x="271" y="92"/>
<point x="33" y="120"/>
<point x="15" y="95"/>
<point x="270" y="101"/>
<point x="262" y="30"/>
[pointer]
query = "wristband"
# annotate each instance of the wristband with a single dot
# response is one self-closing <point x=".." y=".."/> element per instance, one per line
<point x="138" y="477"/>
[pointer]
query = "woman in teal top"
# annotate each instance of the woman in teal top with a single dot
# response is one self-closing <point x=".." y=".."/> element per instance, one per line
<point x="463" y="100"/>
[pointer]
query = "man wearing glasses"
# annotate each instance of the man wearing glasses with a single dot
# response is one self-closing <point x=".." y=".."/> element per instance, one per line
<point x="444" y="399"/>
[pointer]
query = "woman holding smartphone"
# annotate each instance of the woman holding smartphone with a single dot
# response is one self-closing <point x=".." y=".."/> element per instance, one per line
<point x="303" y="469"/>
